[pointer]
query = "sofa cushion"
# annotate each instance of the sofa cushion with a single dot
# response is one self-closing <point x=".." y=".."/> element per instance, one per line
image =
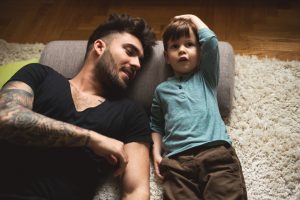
<point x="67" y="57"/>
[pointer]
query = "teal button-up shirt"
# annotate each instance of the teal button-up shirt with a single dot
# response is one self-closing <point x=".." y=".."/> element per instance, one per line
<point x="185" y="108"/>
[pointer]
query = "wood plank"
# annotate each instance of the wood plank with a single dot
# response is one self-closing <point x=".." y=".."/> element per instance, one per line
<point x="254" y="27"/>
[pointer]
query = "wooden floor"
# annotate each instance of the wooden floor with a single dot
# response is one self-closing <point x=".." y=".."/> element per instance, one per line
<point x="254" y="27"/>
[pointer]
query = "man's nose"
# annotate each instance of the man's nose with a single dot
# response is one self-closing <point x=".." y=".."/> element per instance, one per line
<point x="135" y="62"/>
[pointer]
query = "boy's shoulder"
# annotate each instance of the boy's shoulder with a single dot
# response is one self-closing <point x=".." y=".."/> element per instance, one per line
<point x="165" y="84"/>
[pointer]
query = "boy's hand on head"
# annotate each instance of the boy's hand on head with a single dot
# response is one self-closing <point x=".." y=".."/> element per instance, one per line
<point x="196" y="20"/>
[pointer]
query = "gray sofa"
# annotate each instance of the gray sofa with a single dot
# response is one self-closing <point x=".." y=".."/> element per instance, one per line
<point x="67" y="57"/>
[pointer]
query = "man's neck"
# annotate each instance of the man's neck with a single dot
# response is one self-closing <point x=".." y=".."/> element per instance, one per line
<point x="82" y="96"/>
<point x="84" y="82"/>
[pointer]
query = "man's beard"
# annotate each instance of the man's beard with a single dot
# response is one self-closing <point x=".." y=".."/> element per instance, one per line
<point x="107" y="74"/>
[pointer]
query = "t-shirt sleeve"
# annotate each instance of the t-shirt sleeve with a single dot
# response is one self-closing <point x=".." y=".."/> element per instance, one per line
<point x="209" y="58"/>
<point x="32" y="74"/>
<point x="137" y="125"/>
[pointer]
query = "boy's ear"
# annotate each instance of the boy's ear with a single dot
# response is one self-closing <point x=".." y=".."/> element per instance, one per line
<point x="166" y="57"/>
<point x="99" y="46"/>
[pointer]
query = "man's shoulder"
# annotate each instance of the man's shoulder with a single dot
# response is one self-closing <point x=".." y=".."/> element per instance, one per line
<point x="39" y="67"/>
<point x="32" y="74"/>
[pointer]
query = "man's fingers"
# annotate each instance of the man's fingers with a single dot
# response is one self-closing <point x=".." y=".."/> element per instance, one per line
<point x="121" y="169"/>
<point x="123" y="161"/>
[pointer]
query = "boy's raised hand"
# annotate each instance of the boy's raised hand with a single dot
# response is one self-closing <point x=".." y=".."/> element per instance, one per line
<point x="196" y="20"/>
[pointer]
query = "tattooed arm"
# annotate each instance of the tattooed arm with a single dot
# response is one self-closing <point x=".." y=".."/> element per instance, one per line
<point x="20" y="125"/>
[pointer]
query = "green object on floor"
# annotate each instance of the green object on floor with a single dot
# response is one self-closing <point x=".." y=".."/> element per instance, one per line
<point x="8" y="70"/>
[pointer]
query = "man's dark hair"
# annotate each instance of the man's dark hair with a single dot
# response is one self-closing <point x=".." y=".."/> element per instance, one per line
<point x="121" y="23"/>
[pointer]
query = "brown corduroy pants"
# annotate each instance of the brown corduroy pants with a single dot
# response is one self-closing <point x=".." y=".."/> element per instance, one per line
<point x="204" y="173"/>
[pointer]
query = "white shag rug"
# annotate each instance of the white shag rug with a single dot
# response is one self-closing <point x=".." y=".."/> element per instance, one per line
<point x="264" y="125"/>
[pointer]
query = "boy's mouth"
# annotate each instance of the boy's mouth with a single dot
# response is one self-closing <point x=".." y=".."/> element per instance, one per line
<point x="182" y="59"/>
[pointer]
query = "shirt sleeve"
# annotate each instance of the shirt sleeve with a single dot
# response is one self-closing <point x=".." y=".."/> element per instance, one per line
<point x="137" y="125"/>
<point x="209" y="58"/>
<point x="157" y="122"/>
<point x="32" y="74"/>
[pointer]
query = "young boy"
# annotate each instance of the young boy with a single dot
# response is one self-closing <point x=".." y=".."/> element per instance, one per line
<point x="199" y="161"/>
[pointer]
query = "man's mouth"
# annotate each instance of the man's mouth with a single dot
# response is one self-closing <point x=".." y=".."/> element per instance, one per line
<point x="130" y="73"/>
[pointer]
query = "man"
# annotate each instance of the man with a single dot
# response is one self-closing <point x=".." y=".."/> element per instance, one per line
<point x="58" y="136"/>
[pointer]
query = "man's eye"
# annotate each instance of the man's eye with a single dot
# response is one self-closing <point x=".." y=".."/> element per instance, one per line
<point x="130" y="52"/>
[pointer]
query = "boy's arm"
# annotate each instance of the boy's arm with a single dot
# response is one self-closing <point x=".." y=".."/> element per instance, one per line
<point x="157" y="125"/>
<point x="209" y="58"/>
<point x="157" y="153"/>
<point x="20" y="125"/>
<point x="209" y="53"/>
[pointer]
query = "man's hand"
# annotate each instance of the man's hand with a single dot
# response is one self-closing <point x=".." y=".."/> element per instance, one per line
<point x="111" y="149"/>
<point x="196" y="20"/>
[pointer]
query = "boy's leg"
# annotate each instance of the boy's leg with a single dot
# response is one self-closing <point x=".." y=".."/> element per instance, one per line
<point x="222" y="175"/>
<point x="180" y="179"/>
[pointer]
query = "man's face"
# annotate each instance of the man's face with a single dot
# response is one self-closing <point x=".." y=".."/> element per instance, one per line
<point x="120" y="61"/>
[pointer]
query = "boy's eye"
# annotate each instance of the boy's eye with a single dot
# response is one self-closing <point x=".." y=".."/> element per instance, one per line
<point x="190" y="44"/>
<point x="174" y="46"/>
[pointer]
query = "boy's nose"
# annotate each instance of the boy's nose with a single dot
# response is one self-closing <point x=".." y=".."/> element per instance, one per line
<point x="181" y="49"/>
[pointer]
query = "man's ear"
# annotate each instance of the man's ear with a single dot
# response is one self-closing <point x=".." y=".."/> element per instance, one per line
<point x="99" y="46"/>
<point x="166" y="57"/>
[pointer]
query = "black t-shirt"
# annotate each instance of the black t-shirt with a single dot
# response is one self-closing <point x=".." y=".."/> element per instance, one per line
<point x="121" y="119"/>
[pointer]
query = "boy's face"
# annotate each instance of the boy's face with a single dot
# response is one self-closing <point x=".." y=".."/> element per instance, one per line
<point x="183" y="54"/>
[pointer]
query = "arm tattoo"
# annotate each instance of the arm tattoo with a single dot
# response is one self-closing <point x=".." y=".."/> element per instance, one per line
<point x="17" y="96"/>
<point x="20" y="125"/>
